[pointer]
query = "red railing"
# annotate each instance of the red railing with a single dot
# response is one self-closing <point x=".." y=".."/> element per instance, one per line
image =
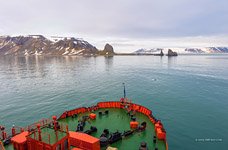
<point x="166" y="145"/>
<point x="1" y="146"/>
<point x="45" y="137"/>
<point x="42" y="122"/>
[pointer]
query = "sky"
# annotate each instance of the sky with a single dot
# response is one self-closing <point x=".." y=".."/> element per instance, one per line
<point x="126" y="24"/>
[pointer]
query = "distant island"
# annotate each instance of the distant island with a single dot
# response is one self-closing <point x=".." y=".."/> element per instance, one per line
<point x="176" y="51"/>
<point x="40" y="45"/>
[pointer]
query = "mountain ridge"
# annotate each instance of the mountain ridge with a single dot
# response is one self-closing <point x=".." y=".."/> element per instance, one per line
<point x="41" y="45"/>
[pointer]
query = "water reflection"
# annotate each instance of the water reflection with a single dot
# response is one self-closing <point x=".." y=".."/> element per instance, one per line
<point x="108" y="62"/>
<point x="171" y="62"/>
<point x="161" y="61"/>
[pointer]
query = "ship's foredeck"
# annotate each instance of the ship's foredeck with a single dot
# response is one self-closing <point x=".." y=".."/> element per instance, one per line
<point x="119" y="120"/>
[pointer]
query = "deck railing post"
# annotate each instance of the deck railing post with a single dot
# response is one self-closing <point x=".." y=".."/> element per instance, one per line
<point x="49" y="138"/>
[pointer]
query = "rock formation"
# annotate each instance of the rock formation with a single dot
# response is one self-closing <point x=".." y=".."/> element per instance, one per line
<point x="171" y="53"/>
<point x="108" y="50"/>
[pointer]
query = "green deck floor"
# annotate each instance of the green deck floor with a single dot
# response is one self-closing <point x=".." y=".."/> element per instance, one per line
<point x="117" y="119"/>
<point x="9" y="147"/>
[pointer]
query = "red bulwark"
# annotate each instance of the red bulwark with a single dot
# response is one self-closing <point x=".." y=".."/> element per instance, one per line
<point x="76" y="149"/>
<point x="19" y="141"/>
<point x="84" y="141"/>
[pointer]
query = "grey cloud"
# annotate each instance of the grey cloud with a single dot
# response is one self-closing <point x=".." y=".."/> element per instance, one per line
<point x="118" y="18"/>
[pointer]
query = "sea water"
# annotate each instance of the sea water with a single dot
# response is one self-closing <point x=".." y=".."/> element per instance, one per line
<point x="188" y="93"/>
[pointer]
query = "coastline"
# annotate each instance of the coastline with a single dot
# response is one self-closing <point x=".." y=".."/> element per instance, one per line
<point x="124" y="54"/>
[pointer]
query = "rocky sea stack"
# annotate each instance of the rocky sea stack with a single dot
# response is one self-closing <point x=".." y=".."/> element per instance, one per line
<point x="108" y="50"/>
<point x="160" y="54"/>
<point x="171" y="53"/>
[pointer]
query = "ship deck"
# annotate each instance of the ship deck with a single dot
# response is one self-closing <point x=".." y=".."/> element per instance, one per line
<point x="119" y="120"/>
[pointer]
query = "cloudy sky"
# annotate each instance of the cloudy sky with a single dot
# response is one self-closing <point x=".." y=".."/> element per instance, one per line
<point x="126" y="24"/>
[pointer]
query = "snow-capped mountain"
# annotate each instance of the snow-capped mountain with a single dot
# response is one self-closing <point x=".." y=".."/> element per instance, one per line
<point x="40" y="45"/>
<point x="148" y="51"/>
<point x="201" y="50"/>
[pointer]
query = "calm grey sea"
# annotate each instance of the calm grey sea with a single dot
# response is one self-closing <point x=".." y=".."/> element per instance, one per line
<point x="188" y="93"/>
